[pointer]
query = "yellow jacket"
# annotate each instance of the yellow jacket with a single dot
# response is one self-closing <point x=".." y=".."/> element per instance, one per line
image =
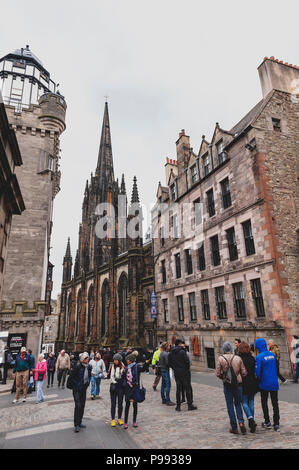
<point x="156" y="357"/>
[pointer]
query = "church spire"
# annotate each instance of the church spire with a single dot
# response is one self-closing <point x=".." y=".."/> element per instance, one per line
<point x="135" y="195"/>
<point x="68" y="249"/>
<point x="123" y="185"/>
<point x="104" y="170"/>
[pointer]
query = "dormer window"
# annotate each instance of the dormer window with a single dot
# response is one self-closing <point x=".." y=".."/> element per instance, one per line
<point x="194" y="176"/>
<point x="222" y="155"/>
<point x="206" y="164"/>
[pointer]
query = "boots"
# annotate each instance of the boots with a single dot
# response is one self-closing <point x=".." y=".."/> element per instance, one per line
<point x="192" y="407"/>
<point x="178" y="408"/>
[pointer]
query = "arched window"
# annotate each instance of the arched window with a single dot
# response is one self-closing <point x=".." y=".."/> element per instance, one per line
<point x="122" y="297"/>
<point x="105" y="297"/>
<point x="90" y="310"/>
<point x="68" y="315"/>
<point x="79" y="308"/>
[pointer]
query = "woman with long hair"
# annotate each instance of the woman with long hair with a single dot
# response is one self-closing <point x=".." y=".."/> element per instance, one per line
<point x="115" y="375"/>
<point x="249" y="384"/>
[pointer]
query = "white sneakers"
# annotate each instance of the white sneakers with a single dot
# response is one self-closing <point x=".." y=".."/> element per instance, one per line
<point x="16" y="401"/>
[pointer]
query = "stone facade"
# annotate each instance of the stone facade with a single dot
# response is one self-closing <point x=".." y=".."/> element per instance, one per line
<point x="51" y="327"/>
<point x="27" y="276"/>
<point x="105" y="300"/>
<point x="11" y="200"/>
<point x="245" y="283"/>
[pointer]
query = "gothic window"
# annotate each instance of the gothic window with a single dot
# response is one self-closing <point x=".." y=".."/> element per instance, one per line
<point x="68" y="314"/>
<point x="105" y="297"/>
<point x="79" y="309"/>
<point x="90" y="310"/>
<point x="122" y="298"/>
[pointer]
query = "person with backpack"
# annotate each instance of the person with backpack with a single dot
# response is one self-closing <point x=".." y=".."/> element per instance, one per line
<point x="7" y="360"/>
<point x="266" y="372"/>
<point x="249" y="384"/>
<point x="230" y="369"/>
<point x="131" y="382"/>
<point x="22" y="371"/>
<point x="115" y="374"/>
<point x="51" y="362"/>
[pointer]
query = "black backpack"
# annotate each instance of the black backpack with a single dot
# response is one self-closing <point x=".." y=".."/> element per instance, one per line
<point x="230" y="380"/>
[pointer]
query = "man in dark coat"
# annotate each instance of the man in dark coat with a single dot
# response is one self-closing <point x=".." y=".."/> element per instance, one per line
<point x="178" y="360"/>
<point x="80" y="376"/>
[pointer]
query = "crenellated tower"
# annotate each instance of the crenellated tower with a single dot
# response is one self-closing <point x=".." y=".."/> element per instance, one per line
<point x="36" y="111"/>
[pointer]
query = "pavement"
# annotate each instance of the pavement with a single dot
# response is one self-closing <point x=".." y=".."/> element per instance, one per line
<point x="49" y="425"/>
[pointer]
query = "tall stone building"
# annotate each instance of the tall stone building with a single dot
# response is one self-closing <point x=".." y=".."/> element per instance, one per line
<point x="11" y="200"/>
<point x="36" y="112"/>
<point x="105" y="301"/>
<point x="234" y="274"/>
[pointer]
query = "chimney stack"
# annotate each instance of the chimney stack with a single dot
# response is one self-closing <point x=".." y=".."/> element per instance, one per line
<point x="278" y="75"/>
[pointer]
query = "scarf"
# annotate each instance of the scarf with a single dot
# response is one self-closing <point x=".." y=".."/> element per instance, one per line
<point x="86" y="378"/>
<point x="129" y="375"/>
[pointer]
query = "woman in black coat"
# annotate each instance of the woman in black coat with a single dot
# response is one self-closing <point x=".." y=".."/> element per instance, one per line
<point x="249" y="384"/>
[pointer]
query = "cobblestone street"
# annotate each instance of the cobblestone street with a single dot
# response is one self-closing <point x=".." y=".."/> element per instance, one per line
<point x="50" y="425"/>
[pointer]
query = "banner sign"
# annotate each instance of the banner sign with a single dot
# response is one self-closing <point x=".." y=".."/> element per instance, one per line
<point x="154" y="305"/>
<point x="15" y="342"/>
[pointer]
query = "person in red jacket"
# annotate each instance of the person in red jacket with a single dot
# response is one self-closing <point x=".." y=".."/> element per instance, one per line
<point x="40" y="376"/>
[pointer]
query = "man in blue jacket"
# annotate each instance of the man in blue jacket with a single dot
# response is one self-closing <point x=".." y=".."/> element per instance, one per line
<point x="266" y="372"/>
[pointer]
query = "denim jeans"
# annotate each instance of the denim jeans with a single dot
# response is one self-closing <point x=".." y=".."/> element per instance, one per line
<point x="248" y="405"/>
<point x="296" y="372"/>
<point x="165" y="387"/>
<point x="39" y="391"/>
<point x="233" y="402"/>
<point x="117" y="395"/>
<point x="95" y="386"/>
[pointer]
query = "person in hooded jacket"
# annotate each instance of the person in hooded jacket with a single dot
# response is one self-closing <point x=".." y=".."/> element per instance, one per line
<point x="249" y="384"/>
<point x="80" y="376"/>
<point x="178" y="360"/>
<point x="266" y="372"/>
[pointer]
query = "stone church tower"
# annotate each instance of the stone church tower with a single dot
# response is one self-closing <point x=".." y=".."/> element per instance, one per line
<point x="107" y="301"/>
<point x="36" y="111"/>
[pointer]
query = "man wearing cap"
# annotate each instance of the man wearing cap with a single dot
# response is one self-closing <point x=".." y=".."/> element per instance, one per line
<point x="80" y="377"/>
<point x="21" y="371"/>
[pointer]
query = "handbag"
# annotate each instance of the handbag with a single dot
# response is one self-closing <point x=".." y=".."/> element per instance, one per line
<point x="139" y="394"/>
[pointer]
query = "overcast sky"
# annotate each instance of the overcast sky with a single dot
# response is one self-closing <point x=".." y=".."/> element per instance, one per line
<point x="166" y="65"/>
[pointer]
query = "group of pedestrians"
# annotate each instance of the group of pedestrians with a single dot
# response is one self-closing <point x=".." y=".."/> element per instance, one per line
<point x="243" y="377"/>
<point x="124" y="385"/>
